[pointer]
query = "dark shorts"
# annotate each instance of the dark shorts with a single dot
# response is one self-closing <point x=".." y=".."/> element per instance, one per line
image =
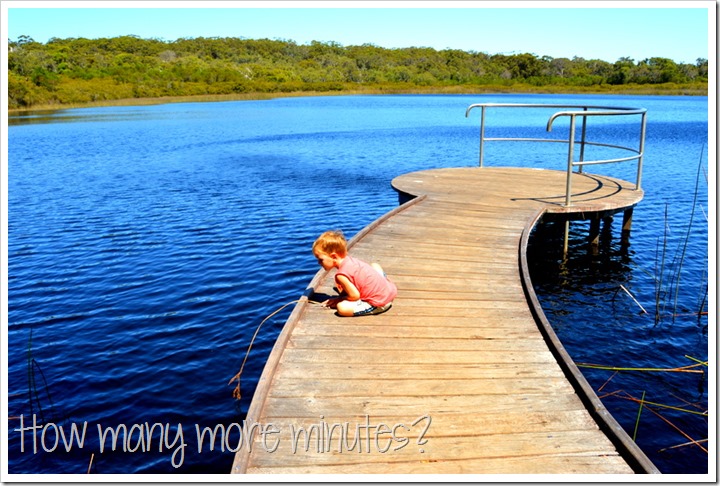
<point x="362" y="308"/>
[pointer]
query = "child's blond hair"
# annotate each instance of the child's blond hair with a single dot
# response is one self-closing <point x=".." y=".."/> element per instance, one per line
<point x="331" y="242"/>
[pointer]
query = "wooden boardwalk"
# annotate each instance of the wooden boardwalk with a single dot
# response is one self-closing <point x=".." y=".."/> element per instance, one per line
<point x="461" y="375"/>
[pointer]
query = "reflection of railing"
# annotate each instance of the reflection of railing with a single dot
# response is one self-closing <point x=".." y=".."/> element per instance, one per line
<point x="570" y="141"/>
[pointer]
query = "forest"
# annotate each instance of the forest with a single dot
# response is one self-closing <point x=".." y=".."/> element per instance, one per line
<point x="77" y="70"/>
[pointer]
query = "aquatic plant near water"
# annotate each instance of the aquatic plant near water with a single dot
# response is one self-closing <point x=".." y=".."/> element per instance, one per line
<point x="236" y="392"/>
<point x="687" y="234"/>
<point x="669" y="294"/>
<point x="33" y="368"/>
<point x="655" y="407"/>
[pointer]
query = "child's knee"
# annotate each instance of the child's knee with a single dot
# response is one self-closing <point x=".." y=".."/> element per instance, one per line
<point x="345" y="309"/>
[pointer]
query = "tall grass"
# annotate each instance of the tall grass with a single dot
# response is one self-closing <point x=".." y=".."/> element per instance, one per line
<point x="667" y="287"/>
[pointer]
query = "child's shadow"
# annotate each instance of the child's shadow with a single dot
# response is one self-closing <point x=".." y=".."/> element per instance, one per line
<point x="320" y="296"/>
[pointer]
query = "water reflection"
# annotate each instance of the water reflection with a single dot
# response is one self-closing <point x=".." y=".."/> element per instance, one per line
<point x="28" y="117"/>
<point x="85" y="115"/>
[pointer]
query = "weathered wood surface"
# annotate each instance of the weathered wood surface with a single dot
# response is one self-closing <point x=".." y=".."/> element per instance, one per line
<point x="456" y="376"/>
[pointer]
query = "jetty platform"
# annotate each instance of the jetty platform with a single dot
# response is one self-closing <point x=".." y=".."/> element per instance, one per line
<point x="464" y="373"/>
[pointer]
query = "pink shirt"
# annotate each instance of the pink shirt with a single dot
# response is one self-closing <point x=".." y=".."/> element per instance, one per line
<point x="374" y="288"/>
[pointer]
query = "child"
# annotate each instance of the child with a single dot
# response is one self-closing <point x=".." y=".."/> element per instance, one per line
<point x="364" y="289"/>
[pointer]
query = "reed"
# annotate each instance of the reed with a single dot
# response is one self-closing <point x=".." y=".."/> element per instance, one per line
<point x="697" y="406"/>
<point x="655" y="407"/>
<point x="608" y="380"/>
<point x="627" y="396"/>
<point x="682" y="369"/>
<point x="671" y="407"/>
<point x="684" y="244"/>
<point x="637" y="420"/>
<point x="651" y="406"/>
<point x="704" y="363"/>
<point x="667" y="277"/>
<point x="660" y="271"/>
<point x="673" y="426"/>
<point x="684" y="444"/>
<point x="236" y="392"/>
<point x="704" y="289"/>
<point x="622" y="287"/>
<point x="702" y="296"/>
<point x="679" y="430"/>
<point x="33" y="368"/>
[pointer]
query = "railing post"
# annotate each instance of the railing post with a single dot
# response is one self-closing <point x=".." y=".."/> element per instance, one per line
<point x="582" y="139"/>
<point x="482" y="133"/>
<point x="571" y="149"/>
<point x="568" y="184"/>
<point x="641" y="149"/>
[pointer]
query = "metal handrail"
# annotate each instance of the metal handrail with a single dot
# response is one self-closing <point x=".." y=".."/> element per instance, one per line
<point x="570" y="141"/>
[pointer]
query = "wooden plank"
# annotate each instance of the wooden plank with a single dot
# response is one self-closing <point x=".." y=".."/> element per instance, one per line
<point x="460" y="215"/>
<point x="419" y="244"/>
<point x="534" y="445"/>
<point x="447" y="424"/>
<point x="453" y="226"/>
<point x="412" y="343"/>
<point x="416" y="315"/>
<point x="427" y="331"/>
<point x="413" y="263"/>
<point x="518" y="319"/>
<point x="431" y="282"/>
<point x="489" y="301"/>
<point x="530" y="358"/>
<point x="387" y="386"/>
<point x="468" y="298"/>
<point x="370" y="371"/>
<point x="313" y="407"/>
<point x="542" y="465"/>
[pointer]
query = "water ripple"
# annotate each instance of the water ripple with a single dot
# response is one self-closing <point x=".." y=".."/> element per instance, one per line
<point x="147" y="244"/>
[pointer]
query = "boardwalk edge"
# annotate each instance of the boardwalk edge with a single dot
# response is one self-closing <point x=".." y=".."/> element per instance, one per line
<point x="627" y="448"/>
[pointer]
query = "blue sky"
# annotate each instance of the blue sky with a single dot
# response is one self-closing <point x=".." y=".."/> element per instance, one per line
<point x="604" y="30"/>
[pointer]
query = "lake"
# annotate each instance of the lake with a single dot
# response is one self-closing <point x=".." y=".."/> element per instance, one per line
<point x="146" y="245"/>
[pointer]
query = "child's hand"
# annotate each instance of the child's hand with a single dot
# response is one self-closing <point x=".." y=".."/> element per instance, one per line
<point x="331" y="303"/>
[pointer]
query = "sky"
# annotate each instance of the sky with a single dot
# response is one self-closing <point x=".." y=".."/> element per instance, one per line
<point x="608" y="30"/>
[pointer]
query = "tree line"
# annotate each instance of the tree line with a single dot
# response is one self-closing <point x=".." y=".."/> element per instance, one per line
<point x="79" y="70"/>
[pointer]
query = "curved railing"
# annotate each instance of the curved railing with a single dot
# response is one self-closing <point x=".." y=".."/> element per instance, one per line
<point x="587" y="111"/>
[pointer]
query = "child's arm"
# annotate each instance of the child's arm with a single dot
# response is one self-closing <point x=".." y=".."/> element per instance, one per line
<point x="346" y="289"/>
<point x="344" y="284"/>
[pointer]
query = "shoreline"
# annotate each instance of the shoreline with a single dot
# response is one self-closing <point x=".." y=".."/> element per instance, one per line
<point x="649" y="90"/>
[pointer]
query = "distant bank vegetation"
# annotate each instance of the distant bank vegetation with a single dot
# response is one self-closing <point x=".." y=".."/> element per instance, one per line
<point x="77" y="70"/>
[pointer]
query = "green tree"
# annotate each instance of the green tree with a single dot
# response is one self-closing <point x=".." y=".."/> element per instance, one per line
<point x="621" y="71"/>
<point x="74" y="70"/>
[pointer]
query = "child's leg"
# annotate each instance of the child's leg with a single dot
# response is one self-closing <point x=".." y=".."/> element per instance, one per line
<point x="350" y="308"/>
<point x="355" y="308"/>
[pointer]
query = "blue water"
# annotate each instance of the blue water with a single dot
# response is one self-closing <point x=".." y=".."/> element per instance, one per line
<point x="146" y="244"/>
